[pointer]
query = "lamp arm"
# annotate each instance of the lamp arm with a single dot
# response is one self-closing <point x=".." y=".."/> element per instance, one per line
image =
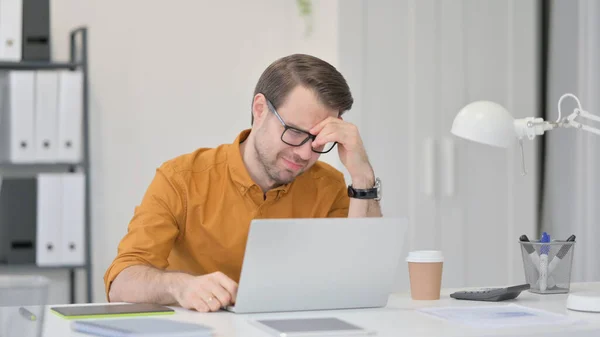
<point x="530" y="126"/>
<point x="570" y="121"/>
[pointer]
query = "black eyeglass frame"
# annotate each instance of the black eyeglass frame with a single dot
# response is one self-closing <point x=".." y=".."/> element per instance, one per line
<point x="287" y="127"/>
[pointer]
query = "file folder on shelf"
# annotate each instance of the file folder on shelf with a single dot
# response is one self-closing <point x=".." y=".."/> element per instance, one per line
<point x="18" y="220"/>
<point x="70" y="116"/>
<point x="36" y="30"/>
<point x="60" y="234"/>
<point x="46" y="116"/>
<point x="17" y="97"/>
<point x="11" y="30"/>
<point x="73" y="219"/>
<point x="48" y="222"/>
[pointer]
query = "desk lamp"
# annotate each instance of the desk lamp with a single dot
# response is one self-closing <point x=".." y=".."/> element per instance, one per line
<point x="489" y="123"/>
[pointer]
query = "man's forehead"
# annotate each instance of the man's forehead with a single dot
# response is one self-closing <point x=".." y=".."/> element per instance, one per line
<point x="303" y="117"/>
<point x="303" y="109"/>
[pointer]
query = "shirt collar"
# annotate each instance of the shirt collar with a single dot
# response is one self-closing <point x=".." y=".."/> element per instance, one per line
<point x="237" y="168"/>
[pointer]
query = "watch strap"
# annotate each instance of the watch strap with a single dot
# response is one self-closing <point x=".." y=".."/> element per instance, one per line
<point x="370" y="193"/>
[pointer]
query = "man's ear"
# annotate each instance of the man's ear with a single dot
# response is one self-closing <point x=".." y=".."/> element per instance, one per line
<point x="259" y="107"/>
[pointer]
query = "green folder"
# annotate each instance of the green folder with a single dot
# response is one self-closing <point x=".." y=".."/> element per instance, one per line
<point x="111" y="310"/>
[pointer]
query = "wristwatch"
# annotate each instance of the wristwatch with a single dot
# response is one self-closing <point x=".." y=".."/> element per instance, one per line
<point x="369" y="193"/>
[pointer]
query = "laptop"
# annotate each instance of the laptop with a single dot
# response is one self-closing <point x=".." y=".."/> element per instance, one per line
<point x="319" y="264"/>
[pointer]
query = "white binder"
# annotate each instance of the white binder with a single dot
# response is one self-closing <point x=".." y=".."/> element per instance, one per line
<point x="49" y="230"/>
<point x="17" y="143"/>
<point x="11" y="30"/>
<point x="73" y="219"/>
<point x="46" y="116"/>
<point x="70" y="116"/>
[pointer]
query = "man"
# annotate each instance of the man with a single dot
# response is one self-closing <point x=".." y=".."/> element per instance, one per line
<point x="186" y="240"/>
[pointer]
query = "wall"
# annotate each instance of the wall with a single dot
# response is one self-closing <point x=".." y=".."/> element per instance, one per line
<point x="168" y="77"/>
<point x="573" y="156"/>
<point x="421" y="62"/>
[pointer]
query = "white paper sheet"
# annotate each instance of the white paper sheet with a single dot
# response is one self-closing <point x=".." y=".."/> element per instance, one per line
<point x="499" y="316"/>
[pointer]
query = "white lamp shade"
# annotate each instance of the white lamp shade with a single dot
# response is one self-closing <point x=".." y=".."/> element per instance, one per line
<point x="485" y="122"/>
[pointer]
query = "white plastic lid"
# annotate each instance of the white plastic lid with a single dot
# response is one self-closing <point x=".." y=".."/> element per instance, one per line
<point x="425" y="256"/>
<point x="584" y="301"/>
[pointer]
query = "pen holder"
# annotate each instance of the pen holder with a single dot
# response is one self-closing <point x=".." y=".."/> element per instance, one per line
<point x="548" y="266"/>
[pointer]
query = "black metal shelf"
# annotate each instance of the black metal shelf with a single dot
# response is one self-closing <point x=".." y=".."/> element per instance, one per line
<point x="78" y="60"/>
<point x="32" y="65"/>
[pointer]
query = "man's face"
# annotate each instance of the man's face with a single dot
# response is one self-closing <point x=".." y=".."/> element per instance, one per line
<point x="283" y="162"/>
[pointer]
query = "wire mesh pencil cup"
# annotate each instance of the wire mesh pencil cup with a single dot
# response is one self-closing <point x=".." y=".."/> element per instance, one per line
<point x="548" y="266"/>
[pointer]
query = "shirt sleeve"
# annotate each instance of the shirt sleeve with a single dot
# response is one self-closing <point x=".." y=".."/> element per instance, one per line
<point x="341" y="205"/>
<point x="154" y="227"/>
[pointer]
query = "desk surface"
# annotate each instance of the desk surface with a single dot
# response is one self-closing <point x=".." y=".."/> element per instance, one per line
<point x="398" y="318"/>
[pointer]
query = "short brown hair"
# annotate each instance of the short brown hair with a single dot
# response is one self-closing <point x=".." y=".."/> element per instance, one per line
<point x="286" y="73"/>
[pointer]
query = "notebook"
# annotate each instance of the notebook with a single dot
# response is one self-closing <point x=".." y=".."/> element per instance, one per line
<point x="138" y="327"/>
<point x="111" y="310"/>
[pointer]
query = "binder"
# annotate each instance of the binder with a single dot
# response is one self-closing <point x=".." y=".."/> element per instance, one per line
<point x="46" y="116"/>
<point x="17" y="116"/>
<point x="48" y="220"/>
<point x="36" y="30"/>
<point x="17" y="219"/>
<point x="11" y="33"/>
<point x="70" y="116"/>
<point x="73" y="219"/>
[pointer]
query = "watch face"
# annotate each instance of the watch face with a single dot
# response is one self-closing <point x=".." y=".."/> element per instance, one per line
<point x="378" y="187"/>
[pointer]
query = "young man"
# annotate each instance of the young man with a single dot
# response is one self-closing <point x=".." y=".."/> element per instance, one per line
<point x="186" y="240"/>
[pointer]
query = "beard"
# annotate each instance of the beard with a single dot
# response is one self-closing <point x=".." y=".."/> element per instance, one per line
<point x="279" y="175"/>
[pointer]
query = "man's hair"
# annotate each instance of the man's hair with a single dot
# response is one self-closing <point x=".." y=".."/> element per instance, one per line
<point x="283" y="75"/>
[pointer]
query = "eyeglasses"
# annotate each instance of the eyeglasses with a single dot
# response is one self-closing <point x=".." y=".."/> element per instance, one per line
<point x="295" y="137"/>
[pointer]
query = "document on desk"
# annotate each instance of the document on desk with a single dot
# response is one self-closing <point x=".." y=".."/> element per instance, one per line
<point x="511" y="315"/>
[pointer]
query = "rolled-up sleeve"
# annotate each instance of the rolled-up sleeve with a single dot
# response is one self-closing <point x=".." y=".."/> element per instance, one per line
<point x="341" y="205"/>
<point x="154" y="227"/>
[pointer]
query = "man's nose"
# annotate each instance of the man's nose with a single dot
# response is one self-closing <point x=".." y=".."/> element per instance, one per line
<point x="305" y="150"/>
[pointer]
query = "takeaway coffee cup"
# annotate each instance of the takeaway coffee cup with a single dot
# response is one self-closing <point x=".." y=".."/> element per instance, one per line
<point x="425" y="272"/>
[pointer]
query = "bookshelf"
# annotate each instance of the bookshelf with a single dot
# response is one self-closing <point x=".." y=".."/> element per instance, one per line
<point x="78" y="60"/>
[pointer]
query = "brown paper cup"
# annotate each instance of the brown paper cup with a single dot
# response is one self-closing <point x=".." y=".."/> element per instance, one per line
<point x="425" y="272"/>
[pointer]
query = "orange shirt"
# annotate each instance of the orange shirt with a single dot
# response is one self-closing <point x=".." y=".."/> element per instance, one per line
<point x="196" y="213"/>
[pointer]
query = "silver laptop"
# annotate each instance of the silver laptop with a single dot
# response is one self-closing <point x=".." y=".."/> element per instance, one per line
<point x="318" y="264"/>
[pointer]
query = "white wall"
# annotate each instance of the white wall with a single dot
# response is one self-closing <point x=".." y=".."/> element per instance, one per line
<point x="421" y="62"/>
<point x="167" y="77"/>
<point x="573" y="156"/>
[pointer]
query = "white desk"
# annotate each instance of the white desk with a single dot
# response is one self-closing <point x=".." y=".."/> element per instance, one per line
<point x="397" y="319"/>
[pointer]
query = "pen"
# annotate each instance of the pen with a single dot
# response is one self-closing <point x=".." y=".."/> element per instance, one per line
<point x="544" y="261"/>
<point x="27" y="314"/>
<point x="531" y="251"/>
<point x="561" y="253"/>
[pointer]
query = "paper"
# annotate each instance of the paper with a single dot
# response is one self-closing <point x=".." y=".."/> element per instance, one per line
<point x="511" y="315"/>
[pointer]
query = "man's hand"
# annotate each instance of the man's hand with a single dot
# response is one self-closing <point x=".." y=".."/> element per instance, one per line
<point x="207" y="292"/>
<point x="351" y="149"/>
<point x="354" y="157"/>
